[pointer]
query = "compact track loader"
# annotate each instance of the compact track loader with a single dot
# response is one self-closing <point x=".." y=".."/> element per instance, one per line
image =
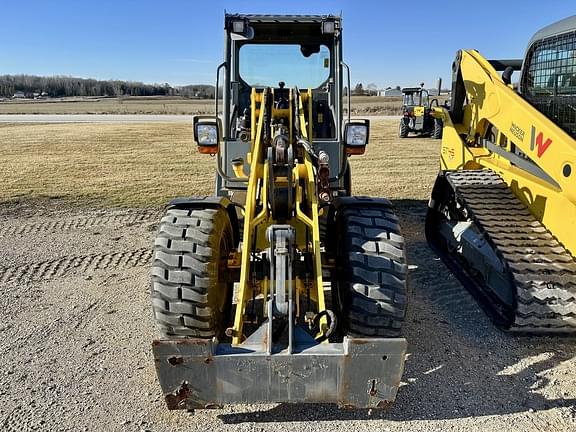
<point x="420" y="114"/>
<point x="502" y="214"/>
<point x="282" y="287"/>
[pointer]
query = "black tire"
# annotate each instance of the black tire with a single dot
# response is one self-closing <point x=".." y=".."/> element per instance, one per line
<point x="403" y="131"/>
<point x="437" y="134"/>
<point x="191" y="295"/>
<point x="369" y="284"/>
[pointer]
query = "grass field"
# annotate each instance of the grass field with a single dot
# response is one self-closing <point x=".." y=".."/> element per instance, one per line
<point x="131" y="105"/>
<point x="169" y="105"/>
<point x="147" y="164"/>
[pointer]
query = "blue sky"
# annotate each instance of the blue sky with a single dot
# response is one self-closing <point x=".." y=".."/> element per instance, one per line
<point x="180" y="42"/>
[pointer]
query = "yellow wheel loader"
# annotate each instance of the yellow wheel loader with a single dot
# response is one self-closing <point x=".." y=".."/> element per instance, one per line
<point x="502" y="214"/>
<point x="420" y="114"/>
<point x="282" y="287"/>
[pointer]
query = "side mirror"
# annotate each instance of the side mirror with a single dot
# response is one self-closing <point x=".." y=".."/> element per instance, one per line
<point x="356" y="134"/>
<point x="207" y="133"/>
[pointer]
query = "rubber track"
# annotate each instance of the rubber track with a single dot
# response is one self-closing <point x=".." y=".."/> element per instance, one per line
<point x="542" y="271"/>
<point x="60" y="225"/>
<point x="62" y="266"/>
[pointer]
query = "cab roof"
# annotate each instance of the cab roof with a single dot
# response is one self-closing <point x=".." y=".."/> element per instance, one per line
<point x="283" y="18"/>
<point x="560" y="27"/>
<point x="412" y="90"/>
<point x="288" y="28"/>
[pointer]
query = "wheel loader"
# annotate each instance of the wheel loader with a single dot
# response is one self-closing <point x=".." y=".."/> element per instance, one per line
<point x="420" y="115"/>
<point x="502" y="214"/>
<point x="282" y="287"/>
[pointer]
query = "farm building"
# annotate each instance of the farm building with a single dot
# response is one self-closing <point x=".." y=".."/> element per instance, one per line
<point x="392" y="92"/>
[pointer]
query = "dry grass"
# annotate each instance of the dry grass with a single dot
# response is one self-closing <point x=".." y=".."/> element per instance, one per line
<point x="147" y="164"/>
<point x="130" y="105"/>
<point x="170" y="105"/>
<point x="395" y="168"/>
<point x="389" y="105"/>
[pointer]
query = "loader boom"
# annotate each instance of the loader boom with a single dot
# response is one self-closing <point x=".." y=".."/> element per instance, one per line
<point x="498" y="126"/>
<point x="503" y="208"/>
<point x="258" y="214"/>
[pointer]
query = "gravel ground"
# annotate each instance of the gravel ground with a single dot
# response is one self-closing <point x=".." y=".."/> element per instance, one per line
<point x="76" y="329"/>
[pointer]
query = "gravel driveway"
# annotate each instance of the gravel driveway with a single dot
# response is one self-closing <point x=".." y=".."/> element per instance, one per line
<point x="76" y="328"/>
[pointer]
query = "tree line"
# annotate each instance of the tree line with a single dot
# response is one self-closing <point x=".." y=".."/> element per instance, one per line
<point x="370" y="90"/>
<point x="65" y="86"/>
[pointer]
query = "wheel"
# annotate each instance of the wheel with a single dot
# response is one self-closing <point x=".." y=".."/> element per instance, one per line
<point x="369" y="285"/>
<point x="437" y="134"/>
<point x="191" y="294"/>
<point x="403" y="132"/>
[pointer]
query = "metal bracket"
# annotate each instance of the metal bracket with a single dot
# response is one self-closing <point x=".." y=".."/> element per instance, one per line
<point x="281" y="239"/>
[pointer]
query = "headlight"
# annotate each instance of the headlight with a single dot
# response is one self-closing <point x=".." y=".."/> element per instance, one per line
<point x="357" y="135"/>
<point x="207" y="134"/>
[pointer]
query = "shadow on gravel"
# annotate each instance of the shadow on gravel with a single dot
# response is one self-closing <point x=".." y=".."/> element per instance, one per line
<point x="460" y="365"/>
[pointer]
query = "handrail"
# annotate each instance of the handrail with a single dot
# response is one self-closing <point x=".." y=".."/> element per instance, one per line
<point x="349" y="89"/>
<point x="219" y="169"/>
<point x="220" y="66"/>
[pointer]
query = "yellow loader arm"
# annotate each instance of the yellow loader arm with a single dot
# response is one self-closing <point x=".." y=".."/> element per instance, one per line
<point x="503" y="208"/>
<point x="500" y="130"/>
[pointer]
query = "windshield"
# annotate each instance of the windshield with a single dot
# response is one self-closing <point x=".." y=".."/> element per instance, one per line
<point x="417" y="98"/>
<point x="549" y="81"/>
<point x="552" y="69"/>
<point x="412" y="99"/>
<point x="424" y="98"/>
<point x="265" y="65"/>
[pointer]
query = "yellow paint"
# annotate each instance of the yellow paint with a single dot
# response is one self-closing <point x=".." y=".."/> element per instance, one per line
<point x="418" y="111"/>
<point x="249" y="210"/>
<point x="256" y="222"/>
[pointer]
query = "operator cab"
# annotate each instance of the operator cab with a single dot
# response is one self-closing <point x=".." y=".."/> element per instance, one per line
<point x="549" y="73"/>
<point x="415" y="96"/>
<point x="286" y="54"/>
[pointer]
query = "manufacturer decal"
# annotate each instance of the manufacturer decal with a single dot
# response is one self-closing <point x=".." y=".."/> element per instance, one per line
<point x="517" y="131"/>
<point x="449" y="152"/>
<point x="538" y="142"/>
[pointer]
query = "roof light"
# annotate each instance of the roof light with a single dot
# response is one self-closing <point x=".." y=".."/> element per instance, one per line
<point x="238" y="26"/>
<point x="328" y="27"/>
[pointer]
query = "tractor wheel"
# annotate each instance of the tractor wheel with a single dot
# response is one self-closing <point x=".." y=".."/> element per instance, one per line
<point x="437" y="134"/>
<point x="403" y="131"/>
<point x="191" y="294"/>
<point x="369" y="283"/>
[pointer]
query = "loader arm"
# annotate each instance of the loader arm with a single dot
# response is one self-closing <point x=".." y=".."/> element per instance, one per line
<point x="258" y="214"/>
<point x="503" y="208"/>
<point x="501" y="131"/>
